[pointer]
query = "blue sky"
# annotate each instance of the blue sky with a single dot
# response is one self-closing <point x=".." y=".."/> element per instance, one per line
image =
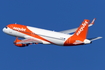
<point x="55" y="15"/>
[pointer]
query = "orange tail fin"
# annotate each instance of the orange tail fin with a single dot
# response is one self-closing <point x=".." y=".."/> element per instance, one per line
<point x="82" y="30"/>
<point x="79" y="35"/>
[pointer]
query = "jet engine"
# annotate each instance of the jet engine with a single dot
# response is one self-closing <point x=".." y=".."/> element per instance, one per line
<point x="19" y="45"/>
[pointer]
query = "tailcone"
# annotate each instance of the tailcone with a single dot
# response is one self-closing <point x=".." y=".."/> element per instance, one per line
<point x="86" y="41"/>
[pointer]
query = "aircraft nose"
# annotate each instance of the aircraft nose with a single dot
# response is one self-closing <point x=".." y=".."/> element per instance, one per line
<point x="4" y="30"/>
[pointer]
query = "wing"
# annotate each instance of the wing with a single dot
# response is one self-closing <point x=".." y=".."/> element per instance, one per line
<point x="69" y="31"/>
<point x="29" y="40"/>
<point x="74" y="29"/>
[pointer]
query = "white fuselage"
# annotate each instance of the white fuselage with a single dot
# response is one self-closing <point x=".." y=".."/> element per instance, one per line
<point x="52" y="36"/>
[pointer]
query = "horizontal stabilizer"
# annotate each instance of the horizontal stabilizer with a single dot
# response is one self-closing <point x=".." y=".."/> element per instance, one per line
<point x="96" y="38"/>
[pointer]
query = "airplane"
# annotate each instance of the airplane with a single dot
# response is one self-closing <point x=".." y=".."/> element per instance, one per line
<point x="33" y="35"/>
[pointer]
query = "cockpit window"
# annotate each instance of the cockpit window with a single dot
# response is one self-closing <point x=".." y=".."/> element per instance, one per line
<point x="6" y="27"/>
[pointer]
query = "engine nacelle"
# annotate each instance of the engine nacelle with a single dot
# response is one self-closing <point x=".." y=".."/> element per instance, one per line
<point x="19" y="45"/>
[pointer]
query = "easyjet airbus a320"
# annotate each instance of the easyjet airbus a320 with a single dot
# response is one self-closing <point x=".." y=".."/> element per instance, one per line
<point x="33" y="35"/>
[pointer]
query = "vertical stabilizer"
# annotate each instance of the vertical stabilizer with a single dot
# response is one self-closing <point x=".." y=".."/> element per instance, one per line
<point x="79" y="37"/>
<point x="81" y="32"/>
